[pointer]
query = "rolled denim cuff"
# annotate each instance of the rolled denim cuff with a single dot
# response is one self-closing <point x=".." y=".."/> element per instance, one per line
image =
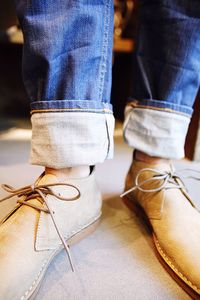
<point x="71" y="106"/>
<point x="155" y="131"/>
<point x="161" y="105"/>
<point x="71" y="138"/>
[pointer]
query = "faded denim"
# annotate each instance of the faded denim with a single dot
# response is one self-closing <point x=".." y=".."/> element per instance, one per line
<point x="67" y="53"/>
<point x="67" y="73"/>
<point x="166" y="76"/>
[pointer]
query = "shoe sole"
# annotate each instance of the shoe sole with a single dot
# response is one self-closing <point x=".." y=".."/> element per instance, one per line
<point x="183" y="282"/>
<point x="73" y="240"/>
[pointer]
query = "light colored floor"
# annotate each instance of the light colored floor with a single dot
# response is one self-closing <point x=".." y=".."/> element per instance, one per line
<point x="117" y="262"/>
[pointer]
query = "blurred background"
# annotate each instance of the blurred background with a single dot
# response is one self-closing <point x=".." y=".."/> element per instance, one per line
<point x="14" y="106"/>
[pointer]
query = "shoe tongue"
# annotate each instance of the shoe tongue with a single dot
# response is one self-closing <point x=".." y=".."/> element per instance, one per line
<point x="161" y="166"/>
<point x="68" y="191"/>
<point x="47" y="179"/>
<point x="42" y="180"/>
<point x="147" y="171"/>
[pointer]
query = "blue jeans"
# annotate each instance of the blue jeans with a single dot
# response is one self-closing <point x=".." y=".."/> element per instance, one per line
<point x="67" y="73"/>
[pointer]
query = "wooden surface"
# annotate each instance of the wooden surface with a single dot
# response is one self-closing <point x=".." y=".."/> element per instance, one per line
<point x="123" y="45"/>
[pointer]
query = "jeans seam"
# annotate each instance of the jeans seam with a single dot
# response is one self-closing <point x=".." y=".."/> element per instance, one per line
<point x="108" y="136"/>
<point x="70" y="105"/>
<point x="170" y="110"/>
<point x="92" y="110"/>
<point x="104" y="48"/>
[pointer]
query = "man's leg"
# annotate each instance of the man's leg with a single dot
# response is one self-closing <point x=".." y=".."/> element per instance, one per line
<point x="67" y="74"/>
<point x="166" y="81"/>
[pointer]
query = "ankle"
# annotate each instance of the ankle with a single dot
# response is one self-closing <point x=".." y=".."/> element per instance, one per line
<point x="72" y="172"/>
<point x="143" y="157"/>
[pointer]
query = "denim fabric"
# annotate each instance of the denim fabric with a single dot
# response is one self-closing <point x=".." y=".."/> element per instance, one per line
<point x="156" y="132"/>
<point x="67" y="61"/>
<point x="67" y="73"/>
<point x="69" y="139"/>
<point x="67" y="53"/>
<point x="166" y="77"/>
<point x="167" y="55"/>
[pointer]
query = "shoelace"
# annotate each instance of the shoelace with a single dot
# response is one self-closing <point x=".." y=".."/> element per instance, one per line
<point x="167" y="180"/>
<point x="40" y="192"/>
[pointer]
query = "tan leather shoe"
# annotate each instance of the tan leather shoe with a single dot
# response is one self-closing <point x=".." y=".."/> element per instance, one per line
<point x="159" y="196"/>
<point x="49" y="216"/>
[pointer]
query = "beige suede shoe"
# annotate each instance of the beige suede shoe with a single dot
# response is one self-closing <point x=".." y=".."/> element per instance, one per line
<point x="49" y="216"/>
<point x="158" y="195"/>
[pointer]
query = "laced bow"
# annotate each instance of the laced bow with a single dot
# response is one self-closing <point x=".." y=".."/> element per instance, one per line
<point x="39" y="192"/>
<point x="167" y="180"/>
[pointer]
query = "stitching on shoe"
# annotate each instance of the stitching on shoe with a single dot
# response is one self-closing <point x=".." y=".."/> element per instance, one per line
<point x="34" y="282"/>
<point x="47" y="260"/>
<point x="168" y="261"/>
<point x="75" y="231"/>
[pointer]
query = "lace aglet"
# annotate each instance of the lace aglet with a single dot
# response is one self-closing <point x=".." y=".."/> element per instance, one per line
<point x="71" y="265"/>
<point x="123" y="194"/>
<point x="70" y="258"/>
